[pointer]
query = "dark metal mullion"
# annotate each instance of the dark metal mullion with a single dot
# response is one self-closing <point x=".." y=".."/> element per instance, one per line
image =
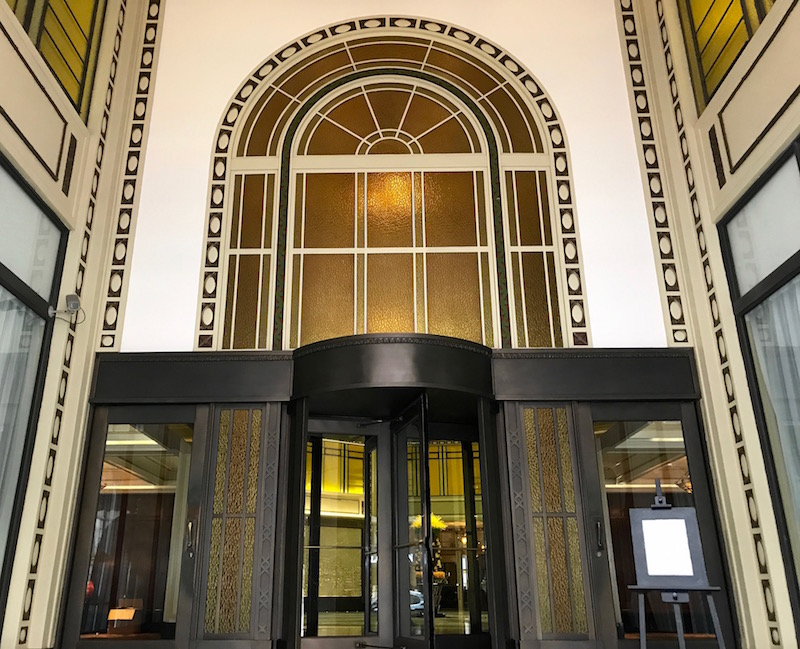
<point x="45" y="8"/>
<point x="365" y="538"/>
<point x="41" y="371"/>
<point x="89" y="46"/>
<point x="312" y="580"/>
<point x="24" y="293"/>
<point x="770" y="465"/>
<point x="772" y="283"/>
<point x="696" y="48"/>
<point x="473" y="595"/>
<point x="746" y="15"/>
<point x="114" y="588"/>
<point x="714" y="31"/>
<point x="425" y="503"/>
<point x="151" y="587"/>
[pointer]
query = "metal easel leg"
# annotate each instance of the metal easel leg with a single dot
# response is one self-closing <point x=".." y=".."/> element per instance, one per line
<point x="715" y="619"/>
<point x="642" y="630"/>
<point x="676" y="608"/>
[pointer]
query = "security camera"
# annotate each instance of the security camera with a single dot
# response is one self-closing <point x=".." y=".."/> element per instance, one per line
<point x="73" y="303"/>
<point x="73" y="306"/>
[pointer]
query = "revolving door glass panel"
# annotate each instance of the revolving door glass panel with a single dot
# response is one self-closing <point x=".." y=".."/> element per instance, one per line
<point x="460" y="602"/>
<point x="340" y="537"/>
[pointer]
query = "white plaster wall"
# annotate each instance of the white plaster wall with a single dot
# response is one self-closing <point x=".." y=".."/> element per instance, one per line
<point x="572" y="47"/>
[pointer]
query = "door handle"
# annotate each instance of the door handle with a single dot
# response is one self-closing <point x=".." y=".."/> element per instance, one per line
<point x="598" y="529"/>
<point x="190" y="540"/>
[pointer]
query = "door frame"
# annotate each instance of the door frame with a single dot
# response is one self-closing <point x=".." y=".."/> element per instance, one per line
<point x="94" y="452"/>
<point x="687" y="412"/>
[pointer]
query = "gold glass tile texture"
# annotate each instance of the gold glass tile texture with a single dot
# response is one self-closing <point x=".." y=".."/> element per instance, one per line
<point x="327" y="302"/>
<point x="232" y="546"/>
<point x="247" y="301"/>
<point x="329" y="210"/>
<point x="253" y="211"/>
<point x="389" y="210"/>
<point x="390" y="293"/>
<point x="561" y="590"/>
<point x="454" y="307"/>
<point x="449" y="209"/>
<point x="212" y="592"/>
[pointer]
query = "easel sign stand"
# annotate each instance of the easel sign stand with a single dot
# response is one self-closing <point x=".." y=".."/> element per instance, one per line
<point x="669" y="558"/>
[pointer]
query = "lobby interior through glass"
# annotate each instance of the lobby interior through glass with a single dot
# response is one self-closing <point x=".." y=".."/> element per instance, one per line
<point x="358" y="452"/>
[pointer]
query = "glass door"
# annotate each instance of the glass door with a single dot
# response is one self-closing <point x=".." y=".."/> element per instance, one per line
<point x="139" y="529"/>
<point x="625" y="449"/>
<point x="412" y="550"/>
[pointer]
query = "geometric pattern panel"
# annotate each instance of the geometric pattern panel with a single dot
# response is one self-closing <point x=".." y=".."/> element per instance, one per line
<point x="560" y="588"/>
<point x="127" y="204"/>
<point x="234" y="514"/>
<point x="549" y="554"/>
<point x="253" y="104"/>
<point x="661" y="220"/>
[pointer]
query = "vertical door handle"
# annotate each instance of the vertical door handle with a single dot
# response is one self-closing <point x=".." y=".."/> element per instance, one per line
<point x="598" y="529"/>
<point x="190" y="542"/>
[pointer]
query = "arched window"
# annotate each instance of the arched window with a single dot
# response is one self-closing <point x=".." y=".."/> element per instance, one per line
<point x="390" y="182"/>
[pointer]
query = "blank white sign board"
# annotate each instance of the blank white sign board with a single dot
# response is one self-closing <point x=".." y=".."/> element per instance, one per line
<point x="666" y="547"/>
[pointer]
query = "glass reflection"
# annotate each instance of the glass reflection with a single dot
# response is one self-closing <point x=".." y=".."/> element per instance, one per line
<point x="632" y="455"/>
<point x="134" y="569"/>
<point x="338" y="572"/>
<point x="459" y="596"/>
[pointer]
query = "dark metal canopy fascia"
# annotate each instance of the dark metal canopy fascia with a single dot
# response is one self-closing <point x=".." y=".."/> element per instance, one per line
<point x="395" y="361"/>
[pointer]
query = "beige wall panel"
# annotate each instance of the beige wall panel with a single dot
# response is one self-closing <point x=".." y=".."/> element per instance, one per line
<point x="763" y="95"/>
<point x="26" y="105"/>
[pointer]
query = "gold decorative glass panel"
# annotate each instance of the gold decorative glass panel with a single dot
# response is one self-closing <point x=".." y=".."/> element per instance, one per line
<point x="450" y="209"/>
<point x="327" y="297"/>
<point x="438" y="221"/>
<point x="561" y="590"/>
<point x="716" y="32"/>
<point x="530" y="230"/>
<point x="389" y="213"/>
<point x="389" y="145"/>
<point x="448" y="137"/>
<point x="389" y="106"/>
<point x="537" y="310"/>
<point x="253" y="211"/>
<point x="390" y="293"/>
<point x="247" y="294"/>
<point x="454" y="306"/>
<point x="265" y="124"/>
<point x="514" y="121"/>
<point x="423" y="114"/>
<point x="232" y="548"/>
<point x="329" y="210"/>
<point x="331" y="139"/>
<point x="354" y="115"/>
